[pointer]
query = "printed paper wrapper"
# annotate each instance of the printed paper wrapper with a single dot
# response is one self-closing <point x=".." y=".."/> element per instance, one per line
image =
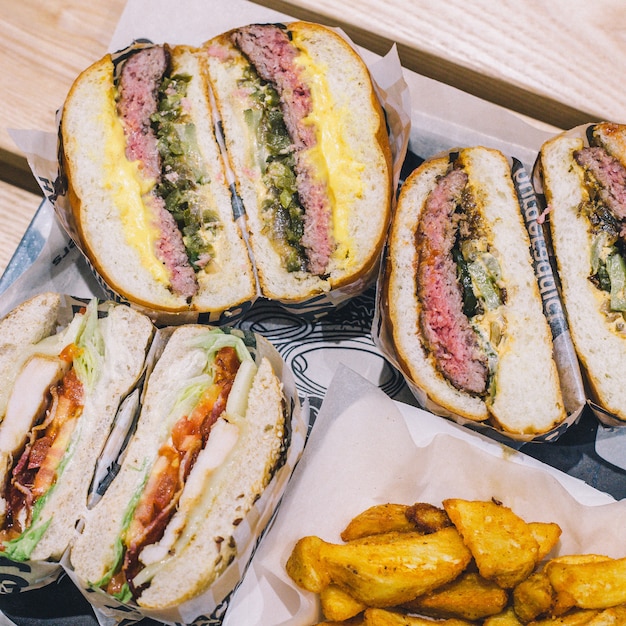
<point x="211" y="605"/>
<point x="563" y="350"/>
<point x="42" y="151"/>
<point x="27" y="575"/>
<point x="366" y="449"/>
<point x="604" y="416"/>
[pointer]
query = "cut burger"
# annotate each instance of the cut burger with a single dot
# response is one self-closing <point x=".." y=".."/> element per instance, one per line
<point x="461" y="300"/>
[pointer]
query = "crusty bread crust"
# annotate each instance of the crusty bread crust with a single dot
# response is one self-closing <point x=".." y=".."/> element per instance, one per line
<point x="364" y="134"/>
<point x="600" y="348"/>
<point x="527" y="396"/>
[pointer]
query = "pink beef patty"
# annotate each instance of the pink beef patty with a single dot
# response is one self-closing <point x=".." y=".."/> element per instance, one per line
<point x="139" y="83"/>
<point x="447" y="331"/>
<point x="271" y="52"/>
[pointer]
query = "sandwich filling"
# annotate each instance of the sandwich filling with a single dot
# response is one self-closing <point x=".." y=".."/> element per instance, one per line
<point x="459" y="287"/>
<point x="36" y="435"/>
<point x="604" y="206"/>
<point x="309" y="175"/>
<point x="203" y="426"/>
<point x="160" y="136"/>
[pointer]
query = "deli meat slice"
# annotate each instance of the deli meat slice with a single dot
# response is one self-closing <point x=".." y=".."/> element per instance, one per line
<point x="448" y="334"/>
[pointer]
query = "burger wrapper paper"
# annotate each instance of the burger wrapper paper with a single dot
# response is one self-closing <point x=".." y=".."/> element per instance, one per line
<point x="563" y="350"/>
<point x="365" y="449"/>
<point x="42" y="149"/>
<point x="604" y="416"/>
<point x="210" y="605"/>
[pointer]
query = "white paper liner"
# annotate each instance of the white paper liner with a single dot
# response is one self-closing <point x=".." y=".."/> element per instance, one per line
<point x="366" y="449"/>
<point x="213" y="602"/>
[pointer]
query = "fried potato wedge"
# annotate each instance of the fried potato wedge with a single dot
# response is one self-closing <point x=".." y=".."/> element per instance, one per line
<point x="338" y="605"/>
<point x="596" y="584"/>
<point x="506" y="618"/>
<point x="533" y="597"/>
<point x="382" y="574"/>
<point x="500" y="541"/>
<point x="547" y="535"/>
<point x="615" y="616"/>
<point x="428" y="518"/>
<point x="381" y="617"/>
<point x="380" y="518"/>
<point x="305" y="567"/>
<point x="470" y="597"/>
<point x="577" y="618"/>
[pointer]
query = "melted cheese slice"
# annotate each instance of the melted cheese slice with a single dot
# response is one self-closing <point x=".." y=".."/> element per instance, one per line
<point x="123" y="179"/>
<point x="332" y="157"/>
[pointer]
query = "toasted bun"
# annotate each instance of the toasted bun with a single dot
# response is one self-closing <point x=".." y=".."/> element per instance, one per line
<point x="103" y="186"/>
<point x="527" y="397"/>
<point x="600" y="345"/>
<point x="359" y="163"/>
<point x="27" y="324"/>
<point x="233" y="488"/>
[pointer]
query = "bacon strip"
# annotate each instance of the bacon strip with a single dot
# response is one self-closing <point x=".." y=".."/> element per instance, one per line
<point x="36" y="469"/>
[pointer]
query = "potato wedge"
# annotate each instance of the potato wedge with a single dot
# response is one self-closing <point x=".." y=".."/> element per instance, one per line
<point x="506" y="618"/>
<point x="533" y="597"/>
<point x="547" y="535"/>
<point x="380" y="518"/>
<point x="577" y="618"/>
<point x="390" y="573"/>
<point x="595" y="584"/>
<point x="470" y="597"/>
<point x="500" y="541"/>
<point x="338" y="605"/>
<point x="427" y="518"/>
<point x="381" y="617"/>
<point x="305" y="566"/>
<point x="615" y="616"/>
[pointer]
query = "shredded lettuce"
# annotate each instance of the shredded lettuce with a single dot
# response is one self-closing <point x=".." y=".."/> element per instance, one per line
<point x="20" y="548"/>
<point x="119" y="543"/>
<point x="215" y="339"/>
<point x="89" y="362"/>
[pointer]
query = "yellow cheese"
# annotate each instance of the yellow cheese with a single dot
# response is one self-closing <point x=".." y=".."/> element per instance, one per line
<point x="125" y="182"/>
<point x="332" y="157"/>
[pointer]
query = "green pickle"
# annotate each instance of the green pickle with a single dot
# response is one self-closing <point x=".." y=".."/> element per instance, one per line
<point x="182" y="163"/>
<point x="274" y="153"/>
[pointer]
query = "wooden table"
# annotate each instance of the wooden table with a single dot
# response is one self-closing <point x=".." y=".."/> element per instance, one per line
<point x="561" y="62"/>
